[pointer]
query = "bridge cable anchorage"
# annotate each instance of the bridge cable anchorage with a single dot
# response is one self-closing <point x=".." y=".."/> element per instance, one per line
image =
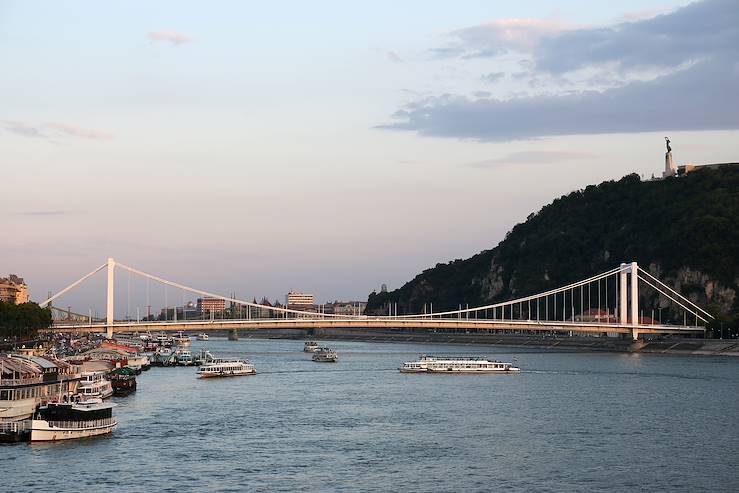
<point x="525" y="298"/>
<point x="226" y="298"/>
<point x="693" y="312"/>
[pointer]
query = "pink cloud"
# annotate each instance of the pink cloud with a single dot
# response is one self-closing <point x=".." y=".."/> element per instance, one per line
<point x="522" y="34"/>
<point x="501" y="36"/>
<point x="82" y="133"/>
<point x="52" y="131"/>
<point x="171" y="36"/>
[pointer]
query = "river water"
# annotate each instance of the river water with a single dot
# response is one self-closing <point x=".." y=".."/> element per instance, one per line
<point x="571" y="421"/>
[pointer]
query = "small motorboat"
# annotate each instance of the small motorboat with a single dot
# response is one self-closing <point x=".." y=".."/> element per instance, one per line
<point x="325" y="355"/>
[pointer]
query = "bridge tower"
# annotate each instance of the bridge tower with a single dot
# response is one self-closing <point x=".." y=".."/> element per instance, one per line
<point x="623" y="310"/>
<point x="110" y="316"/>
<point x="629" y="300"/>
<point x="634" y="300"/>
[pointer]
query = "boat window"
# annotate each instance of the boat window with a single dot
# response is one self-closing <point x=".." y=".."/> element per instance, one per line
<point x="4" y="395"/>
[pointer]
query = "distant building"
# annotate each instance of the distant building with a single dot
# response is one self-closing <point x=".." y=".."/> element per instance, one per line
<point x="300" y="301"/>
<point x="293" y="298"/>
<point x="689" y="168"/>
<point x="13" y="290"/>
<point x="211" y="305"/>
<point x="383" y="288"/>
<point x="264" y="311"/>
<point x="346" y="307"/>
<point x="188" y="311"/>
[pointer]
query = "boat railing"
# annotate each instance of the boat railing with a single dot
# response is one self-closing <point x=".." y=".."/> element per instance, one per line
<point x="13" y="426"/>
<point x="457" y="357"/>
<point x="93" y="423"/>
<point x="21" y="381"/>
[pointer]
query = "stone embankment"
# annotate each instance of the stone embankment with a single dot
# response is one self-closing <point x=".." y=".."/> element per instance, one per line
<point x="705" y="347"/>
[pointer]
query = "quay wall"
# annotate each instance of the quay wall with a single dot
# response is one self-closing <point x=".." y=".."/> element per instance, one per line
<point x="676" y="345"/>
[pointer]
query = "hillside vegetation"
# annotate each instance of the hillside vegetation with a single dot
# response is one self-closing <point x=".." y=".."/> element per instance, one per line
<point x="685" y="230"/>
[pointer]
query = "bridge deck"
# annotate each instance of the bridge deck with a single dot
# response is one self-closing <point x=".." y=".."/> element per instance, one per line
<point x="383" y="323"/>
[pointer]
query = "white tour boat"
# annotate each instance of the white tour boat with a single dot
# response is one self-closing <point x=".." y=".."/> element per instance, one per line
<point x="325" y="355"/>
<point x="226" y="368"/>
<point x="203" y="337"/>
<point x="94" y="385"/>
<point x="181" y="340"/>
<point x="69" y="420"/>
<point x="310" y="347"/>
<point x="457" y="364"/>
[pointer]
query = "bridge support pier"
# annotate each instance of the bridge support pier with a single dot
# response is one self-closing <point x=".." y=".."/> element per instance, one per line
<point x="233" y="335"/>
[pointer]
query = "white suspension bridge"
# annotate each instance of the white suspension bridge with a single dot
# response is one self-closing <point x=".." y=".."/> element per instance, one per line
<point x="607" y="303"/>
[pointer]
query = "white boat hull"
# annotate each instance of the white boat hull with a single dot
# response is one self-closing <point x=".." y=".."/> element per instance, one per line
<point x="235" y="373"/>
<point x="44" y="431"/>
<point x="459" y="370"/>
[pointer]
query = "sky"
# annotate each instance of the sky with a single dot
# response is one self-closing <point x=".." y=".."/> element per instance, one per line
<point x="330" y="147"/>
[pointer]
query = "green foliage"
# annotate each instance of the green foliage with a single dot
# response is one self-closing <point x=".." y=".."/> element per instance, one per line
<point x="685" y="222"/>
<point x="22" y="322"/>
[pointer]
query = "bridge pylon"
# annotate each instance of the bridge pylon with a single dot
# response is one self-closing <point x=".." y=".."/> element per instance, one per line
<point x="635" y="321"/>
<point x="623" y="281"/>
<point x="110" y="316"/>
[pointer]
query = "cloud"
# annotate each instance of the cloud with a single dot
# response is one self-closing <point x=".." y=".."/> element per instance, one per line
<point x="693" y="52"/>
<point x="532" y="157"/>
<point x="498" y="37"/>
<point x="52" y="131"/>
<point x="393" y="57"/>
<point x="493" y="77"/>
<point x="701" y="30"/>
<point x="702" y="97"/>
<point x="82" y="133"/>
<point x="23" y="129"/>
<point x="171" y="37"/>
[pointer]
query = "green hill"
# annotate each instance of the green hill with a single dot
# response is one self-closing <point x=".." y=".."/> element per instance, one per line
<point x="685" y="230"/>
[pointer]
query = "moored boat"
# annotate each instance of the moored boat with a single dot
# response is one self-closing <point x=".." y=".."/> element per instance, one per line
<point x="325" y="355"/>
<point x="94" y="385"/>
<point x="123" y="381"/>
<point x="204" y="357"/>
<point x="184" y="357"/>
<point x="181" y="340"/>
<point x="25" y="383"/>
<point x="226" y="368"/>
<point x="457" y="364"/>
<point x="70" y="420"/>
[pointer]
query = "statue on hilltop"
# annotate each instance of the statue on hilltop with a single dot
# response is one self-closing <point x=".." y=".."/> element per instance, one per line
<point x="670" y="168"/>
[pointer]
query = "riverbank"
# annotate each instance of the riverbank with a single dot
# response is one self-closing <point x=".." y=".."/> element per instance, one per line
<point x="681" y="346"/>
